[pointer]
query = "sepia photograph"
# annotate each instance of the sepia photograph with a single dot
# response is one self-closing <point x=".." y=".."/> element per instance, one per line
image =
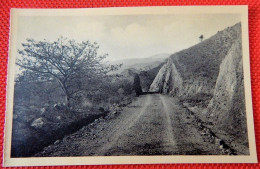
<point x="129" y="86"/>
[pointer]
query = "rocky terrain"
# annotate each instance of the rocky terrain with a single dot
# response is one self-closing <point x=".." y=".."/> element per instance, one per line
<point x="208" y="78"/>
<point x="39" y="128"/>
<point x="150" y="125"/>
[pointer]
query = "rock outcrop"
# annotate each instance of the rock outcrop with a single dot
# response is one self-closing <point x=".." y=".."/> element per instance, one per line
<point x="227" y="107"/>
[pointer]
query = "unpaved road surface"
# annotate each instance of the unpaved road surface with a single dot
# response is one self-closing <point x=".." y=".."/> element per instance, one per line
<point x="150" y="125"/>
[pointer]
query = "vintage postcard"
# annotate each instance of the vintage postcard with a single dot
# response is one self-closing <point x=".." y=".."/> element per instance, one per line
<point x="132" y="85"/>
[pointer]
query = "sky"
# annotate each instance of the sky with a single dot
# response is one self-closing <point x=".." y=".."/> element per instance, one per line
<point x="127" y="36"/>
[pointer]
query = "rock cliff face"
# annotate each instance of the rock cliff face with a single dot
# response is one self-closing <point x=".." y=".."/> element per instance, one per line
<point x="227" y="107"/>
<point x="212" y="68"/>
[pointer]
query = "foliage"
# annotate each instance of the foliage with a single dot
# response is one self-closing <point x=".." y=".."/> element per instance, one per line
<point x="76" y="67"/>
<point x="29" y="90"/>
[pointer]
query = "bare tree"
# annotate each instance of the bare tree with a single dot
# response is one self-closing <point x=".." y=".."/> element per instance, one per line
<point x="74" y="65"/>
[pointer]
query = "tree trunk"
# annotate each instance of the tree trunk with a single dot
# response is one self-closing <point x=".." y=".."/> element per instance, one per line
<point x="68" y="102"/>
<point x="66" y="92"/>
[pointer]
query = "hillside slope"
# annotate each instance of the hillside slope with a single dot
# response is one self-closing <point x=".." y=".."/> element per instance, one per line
<point x="195" y="70"/>
<point x="209" y="78"/>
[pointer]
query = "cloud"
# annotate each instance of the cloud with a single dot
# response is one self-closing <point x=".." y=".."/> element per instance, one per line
<point x="127" y="36"/>
<point x="136" y="36"/>
<point x="92" y="31"/>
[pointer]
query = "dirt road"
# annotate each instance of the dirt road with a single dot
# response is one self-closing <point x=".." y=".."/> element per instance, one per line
<point x="150" y="125"/>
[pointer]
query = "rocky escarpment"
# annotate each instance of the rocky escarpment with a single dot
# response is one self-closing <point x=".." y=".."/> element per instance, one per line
<point x="208" y="78"/>
<point x="227" y="107"/>
<point x="195" y="70"/>
<point x="167" y="76"/>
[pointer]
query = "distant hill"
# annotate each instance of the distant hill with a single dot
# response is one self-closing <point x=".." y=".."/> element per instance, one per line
<point x="142" y="63"/>
<point x="129" y="72"/>
<point x="210" y="74"/>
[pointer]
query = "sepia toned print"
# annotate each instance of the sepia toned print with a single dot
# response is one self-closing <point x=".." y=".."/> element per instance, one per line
<point x="129" y="85"/>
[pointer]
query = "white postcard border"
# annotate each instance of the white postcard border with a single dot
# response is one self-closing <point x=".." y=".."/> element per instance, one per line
<point x="99" y="160"/>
